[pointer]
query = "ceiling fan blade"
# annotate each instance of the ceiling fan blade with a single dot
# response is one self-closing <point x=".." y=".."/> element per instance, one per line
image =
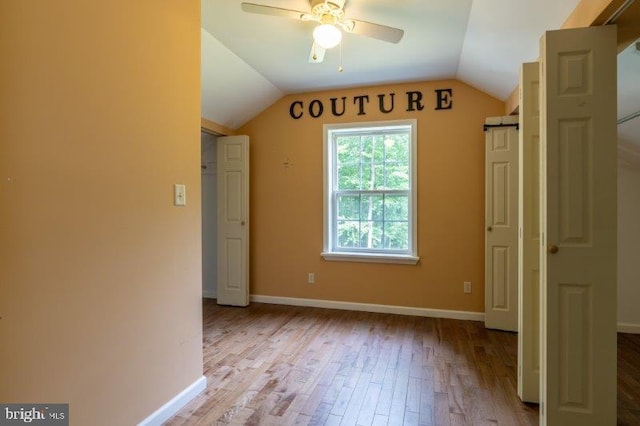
<point x="273" y="11"/>
<point x="377" y="31"/>
<point x="317" y="54"/>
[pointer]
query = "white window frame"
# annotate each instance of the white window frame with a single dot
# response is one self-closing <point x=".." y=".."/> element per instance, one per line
<point x="329" y="252"/>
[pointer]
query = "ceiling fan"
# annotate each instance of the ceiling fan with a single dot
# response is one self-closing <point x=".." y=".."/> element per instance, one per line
<point x="330" y="16"/>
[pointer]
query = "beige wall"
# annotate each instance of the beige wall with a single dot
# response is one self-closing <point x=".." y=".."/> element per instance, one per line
<point x="99" y="273"/>
<point x="286" y="202"/>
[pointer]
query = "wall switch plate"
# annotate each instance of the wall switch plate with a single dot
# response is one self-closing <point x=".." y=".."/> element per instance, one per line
<point x="467" y="286"/>
<point x="311" y="278"/>
<point x="179" y="195"/>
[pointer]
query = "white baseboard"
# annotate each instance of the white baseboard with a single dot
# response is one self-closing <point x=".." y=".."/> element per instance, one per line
<point x="209" y="294"/>
<point x="624" y="327"/>
<point x="176" y="403"/>
<point x="369" y="307"/>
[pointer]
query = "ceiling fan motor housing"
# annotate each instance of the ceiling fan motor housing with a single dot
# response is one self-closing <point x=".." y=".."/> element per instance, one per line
<point x="320" y="8"/>
<point x="339" y="4"/>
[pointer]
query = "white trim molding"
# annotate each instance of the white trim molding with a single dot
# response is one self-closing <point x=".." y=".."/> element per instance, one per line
<point x="176" y="403"/>
<point x="369" y="307"/>
<point x="371" y="257"/>
<point x="209" y="294"/>
<point x="624" y="327"/>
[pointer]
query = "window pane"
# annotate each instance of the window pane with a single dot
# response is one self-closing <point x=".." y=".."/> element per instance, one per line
<point x="367" y="177"/>
<point x="396" y="208"/>
<point x="348" y="234"/>
<point x="396" y="236"/>
<point x="371" y="235"/>
<point x="371" y="207"/>
<point x="348" y="207"/>
<point x="397" y="176"/>
<point x="348" y="149"/>
<point x="379" y="149"/>
<point x="379" y="177"/>
<point x="366" y="148"/>
<point x="349" y="177"/>
<point x="397" y="148"/>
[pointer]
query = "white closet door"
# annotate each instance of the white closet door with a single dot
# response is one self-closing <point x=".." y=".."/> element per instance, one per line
<point x="578" y="225"/>
<point x="529" y="236"/>
<point x="501" y="218"/>
<point x="233" y="220"/>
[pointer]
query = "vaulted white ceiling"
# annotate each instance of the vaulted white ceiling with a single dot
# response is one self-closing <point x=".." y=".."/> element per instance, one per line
<point x="249" y="61"/>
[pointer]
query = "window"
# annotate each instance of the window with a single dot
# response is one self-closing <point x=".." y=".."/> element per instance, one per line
<point x="370" y="192"/>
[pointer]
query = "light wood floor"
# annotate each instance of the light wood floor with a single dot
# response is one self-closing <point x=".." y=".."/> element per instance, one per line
<point x="282" y="365"/>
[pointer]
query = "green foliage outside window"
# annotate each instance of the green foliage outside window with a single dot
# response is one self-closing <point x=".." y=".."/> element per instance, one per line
<point x="373" y="190"/>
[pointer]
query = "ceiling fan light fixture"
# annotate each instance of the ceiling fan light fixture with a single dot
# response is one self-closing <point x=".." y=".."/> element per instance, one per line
<point x="327" y="35"/>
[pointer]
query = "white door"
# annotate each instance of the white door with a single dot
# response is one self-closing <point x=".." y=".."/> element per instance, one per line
<point x="578" y="222"/>
<point x="233" y="220"/>
<point x="529" y="235"/>
<point x="501" y="218"/>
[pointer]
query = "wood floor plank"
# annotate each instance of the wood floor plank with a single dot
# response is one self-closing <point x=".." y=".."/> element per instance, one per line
<point x="314" y="400"/>
<point x="342" y="400"/>
<point x="380" y="420"/>
<point x="352" y="412"/>
<point x="386" y="393"/>
<point x="283" y="365"/>
<point x="333" y="420"/>
<point x="427" y="403"/>
<point x="413" y="394"/>
<point x="457" y="419"/>
<point x="321" y="414"/>
<point x="411" y="418"/>
<point x="441" y="405"/>
<point x="302" y="420"/>
<point x="332" y="394"/>
<point x="368" y="409"/>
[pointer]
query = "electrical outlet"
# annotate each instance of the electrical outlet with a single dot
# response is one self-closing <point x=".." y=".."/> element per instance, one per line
<point x="467" y="286"/>
<point x="311" y="278"/>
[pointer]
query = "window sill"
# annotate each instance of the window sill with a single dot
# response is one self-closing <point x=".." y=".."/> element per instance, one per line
<point x="403" y="259"/>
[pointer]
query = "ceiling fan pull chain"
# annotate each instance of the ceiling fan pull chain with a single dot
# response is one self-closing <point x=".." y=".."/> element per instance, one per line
<point x="340" y="66"/>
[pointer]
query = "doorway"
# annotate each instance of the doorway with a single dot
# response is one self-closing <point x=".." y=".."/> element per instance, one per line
<point x="208" y="149"/>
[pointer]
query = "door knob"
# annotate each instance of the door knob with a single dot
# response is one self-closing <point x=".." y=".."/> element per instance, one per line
<point x="242" y="223"/>
<point x="553" y="249"/>
<point x="489" y="228"/>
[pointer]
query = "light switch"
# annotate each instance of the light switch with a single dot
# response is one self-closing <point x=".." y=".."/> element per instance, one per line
<point x="179" y="195"/>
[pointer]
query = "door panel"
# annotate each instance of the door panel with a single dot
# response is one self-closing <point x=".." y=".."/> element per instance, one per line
<point x="500" y="280"/>
<point x="575" y="182"/>
<point x="529" y="236"/>
<point x="233" y="220"/>
<point x="500" y="182"/>
<point x="501" y="216"/>
<point x="578" y="221"/>
<point x="233" y="252"/>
